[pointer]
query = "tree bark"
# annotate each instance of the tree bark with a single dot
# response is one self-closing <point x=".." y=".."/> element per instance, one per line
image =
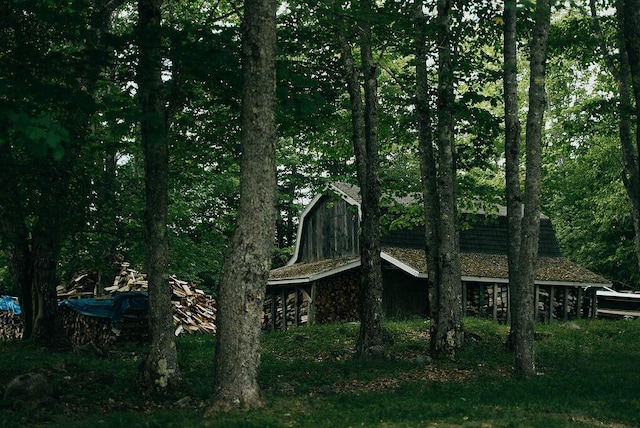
<point x="247" y="263"/>
<point x="448" y="335"/>
<point x="15" y="234"/>
<point x="160" y="372"/>
<point x="628" y="17"/>
<point x="525" y="285"/>
<point x="512" y="154"/>
<point x="370" y="337"/>
<point x="428" y="169"/>
<point x="365" y="143"/>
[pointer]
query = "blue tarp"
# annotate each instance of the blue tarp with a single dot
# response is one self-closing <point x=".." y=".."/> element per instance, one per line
<point x="7" y="303"/>
<point x="112" y="309"/>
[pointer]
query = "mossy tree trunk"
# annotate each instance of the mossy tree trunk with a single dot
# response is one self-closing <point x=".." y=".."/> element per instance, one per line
<point x="160" y="373"/>
<point x="248" y="259"/>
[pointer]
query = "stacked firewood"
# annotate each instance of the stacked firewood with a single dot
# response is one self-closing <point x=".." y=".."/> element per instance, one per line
<point x="481" y="300"/>
<point x="296" y="309"/>
<point x="128" y="279"/>
<point x="11" y="325"/>
<point x="337" y="300"/>
<point x="193" y="310"/>
<point x="80" y="329"/>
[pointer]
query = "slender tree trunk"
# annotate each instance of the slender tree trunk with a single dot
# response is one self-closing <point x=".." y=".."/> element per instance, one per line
<point x="626" y="72"/>
<point x="247" y="264"/>
<point x="160" y="372"/>
<point x="628" y="17"/>
<point x="370" y="338"/>
<point x="525" y="286"/>
<point x="427" y="164"/>
<point x="512" y="155"/>
<point x="365" y="142"/>
<point x="448" y="336"/>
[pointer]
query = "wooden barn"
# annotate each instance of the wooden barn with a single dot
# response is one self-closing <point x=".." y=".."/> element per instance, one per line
<point x="321" y="281"/>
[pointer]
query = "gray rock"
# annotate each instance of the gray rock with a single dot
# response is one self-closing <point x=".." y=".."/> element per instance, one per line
<point x="28" y="390"/>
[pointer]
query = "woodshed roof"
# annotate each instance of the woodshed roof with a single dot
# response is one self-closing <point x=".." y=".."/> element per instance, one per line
<point x="307" y="272"/>
<point x="477" y="267"/>
<point x="493" y="267"/>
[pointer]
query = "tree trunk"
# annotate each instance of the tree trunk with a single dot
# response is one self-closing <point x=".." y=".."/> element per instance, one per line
<point x="248" y="260"/>
<point x="365" y="143"/>
<point x="448" y="335"/>
<point x="427" y="163"/>
<point x="45" y="248"/>
<point x="628" y="17"/>
<point x="370" y="338"/>
<point x="512" y="154"/>
<point x="160" y="372"/>
<point x="525" y="285"/>
<point x="15" y="234"/>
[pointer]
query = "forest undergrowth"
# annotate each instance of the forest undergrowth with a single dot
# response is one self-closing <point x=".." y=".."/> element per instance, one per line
<point x="310" y="376"/>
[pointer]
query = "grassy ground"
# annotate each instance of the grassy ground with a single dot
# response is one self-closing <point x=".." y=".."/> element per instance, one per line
<point x="589" y="376"/>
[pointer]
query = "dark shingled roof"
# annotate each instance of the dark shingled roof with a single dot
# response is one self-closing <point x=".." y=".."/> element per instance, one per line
<point x="494" y="266"/>
<point x="475" y="266"/>
<point x="306" y="270"/>
<point x="481" y="235"/>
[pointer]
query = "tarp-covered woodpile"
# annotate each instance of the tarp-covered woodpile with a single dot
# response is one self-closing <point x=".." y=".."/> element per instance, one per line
<point x="125" y="312"/>
<point x="11" y="326"/>
<point x="104" y="315"/>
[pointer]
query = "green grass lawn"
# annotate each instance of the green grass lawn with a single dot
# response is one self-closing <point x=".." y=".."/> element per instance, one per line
<point x="589" y="375"/>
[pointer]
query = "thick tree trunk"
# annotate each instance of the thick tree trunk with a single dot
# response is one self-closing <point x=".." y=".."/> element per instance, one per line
<point x="525" y="286"/>
<point x="160" y="372"/>
<point x="427" y="162"/>
<point x="448" y="335"/>
<point x="365" y="144"/>
<point x="247" y="263"/>
<point x="512" y="154"/>
<point x="45" y="248"/>
<point x="15" y="234"/>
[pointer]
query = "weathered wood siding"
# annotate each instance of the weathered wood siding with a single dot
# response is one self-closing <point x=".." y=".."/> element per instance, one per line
<point x="330" y="231"/>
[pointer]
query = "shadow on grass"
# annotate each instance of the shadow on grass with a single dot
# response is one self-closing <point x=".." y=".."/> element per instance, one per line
<point x="310" y="377"/>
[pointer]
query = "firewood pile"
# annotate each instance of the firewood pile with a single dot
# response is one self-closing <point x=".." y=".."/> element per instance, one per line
<point x="81" y="329"/>
<point x="337" y="300"/>
<point x="193" y="310"/>
<point x="551" y="303"/>
<point x="11" y="325"/>
<point x="480" y="301"/>
<point x="296" y="309"/>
